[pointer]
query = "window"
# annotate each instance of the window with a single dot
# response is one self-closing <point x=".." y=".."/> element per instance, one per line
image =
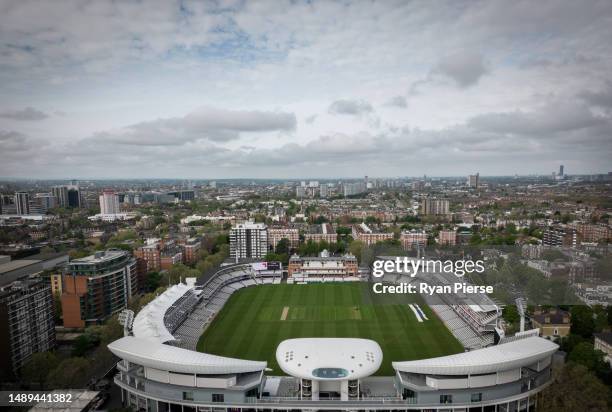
<point x="218" y="397"/>
<point x="446" y="399"/>
<point x="477" y="397"/>
<point x="187" y="396"/>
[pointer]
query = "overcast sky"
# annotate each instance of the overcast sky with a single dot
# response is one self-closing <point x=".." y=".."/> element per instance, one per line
<point x="96" y="89"/>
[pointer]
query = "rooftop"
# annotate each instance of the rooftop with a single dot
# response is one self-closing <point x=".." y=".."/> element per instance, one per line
<point x="329" y="358"/>
<point x="503" y="357"/>
<point x="100" y="257"/>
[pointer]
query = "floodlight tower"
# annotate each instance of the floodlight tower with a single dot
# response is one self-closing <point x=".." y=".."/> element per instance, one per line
<point x="126" y="319"/>
<point x="521" y="306"/>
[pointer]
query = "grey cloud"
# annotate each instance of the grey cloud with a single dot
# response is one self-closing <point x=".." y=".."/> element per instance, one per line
<point x="602" y="98"/>
<point x="207" y="123"/>
<point x="397" y="101"/>
<point x="553" y="118"/>
<point x="26" y="114"/>
<point x="311" y="119"/>
<point x="350" y="107"/>
<point x="465" y="68"/>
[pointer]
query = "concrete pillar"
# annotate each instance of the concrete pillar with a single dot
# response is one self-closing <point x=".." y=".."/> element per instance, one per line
<point x="315" y="390"/>
<point x="344" y="390"/>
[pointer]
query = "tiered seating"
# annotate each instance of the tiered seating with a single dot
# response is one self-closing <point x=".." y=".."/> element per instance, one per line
<point x="193" y="312"/>
<point x="180" y="310"/>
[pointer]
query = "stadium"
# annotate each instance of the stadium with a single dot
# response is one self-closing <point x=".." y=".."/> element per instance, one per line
<point x="250" y="336"/>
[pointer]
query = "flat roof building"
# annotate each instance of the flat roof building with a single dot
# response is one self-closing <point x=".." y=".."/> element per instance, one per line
<point x="97" y="286"/>
<point x="26" y="323"/>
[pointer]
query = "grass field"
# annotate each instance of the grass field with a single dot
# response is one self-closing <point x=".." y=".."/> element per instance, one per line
<point x="256" y="319"/>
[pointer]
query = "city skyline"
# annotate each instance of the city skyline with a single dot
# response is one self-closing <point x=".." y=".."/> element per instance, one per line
<point x="286" y="89"/>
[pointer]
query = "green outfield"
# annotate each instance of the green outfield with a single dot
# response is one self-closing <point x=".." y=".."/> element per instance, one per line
<point x="256" y="319"/>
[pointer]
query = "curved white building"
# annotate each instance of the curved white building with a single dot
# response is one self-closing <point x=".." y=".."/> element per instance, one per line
<point x="329" y="364"/>
<point x="160" y="371"/>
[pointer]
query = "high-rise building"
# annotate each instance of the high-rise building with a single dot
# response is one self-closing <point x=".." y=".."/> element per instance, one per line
<point x="300" y="192"/>
<point x="561" y="171"/>
<point x="74" y="197"/>
<point x="350" y="189"/>
<point x="61" y="194"/>
<point x="474" y="180"/>
<point x="183" y="195"/>
<point x="42" y="202"/>
<point x="248" y="240"/>
<point x="97" y="286"/>
<point x="431" y="206"/>
<point x="324" y="190"/>
<point x="109" y="203"/>
<point x="22" y="203"/>
<point x="26" y="323"/>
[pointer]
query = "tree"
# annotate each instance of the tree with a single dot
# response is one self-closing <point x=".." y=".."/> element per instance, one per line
<point x="355" y="248"/>
<point x="38" y="368"/>
<point x="152" y="281"/>
<point x="282" y="247"/>
<point x="586" y="355"/>
<point x="511" y="314"/>
<point x="583" y="323"/>
<point x="575" y="389"/>
<point x="70" y="373"/>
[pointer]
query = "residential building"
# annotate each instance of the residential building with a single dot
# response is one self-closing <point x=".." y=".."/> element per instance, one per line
<point x="275" y="234"/>
<point x="191" y="248"/>
<point x="26" y="323"/>
<point x="553" y="323"/>
<point x="560" y="237"/>
<point x="149" y="257"/>
<point x="603" y="342"/>
<point x="589" y="232"/>
<point x="97" y="286"/>
<point x="248" y="241"/>
<point x="413" y="239"/>
<point x="170" y="255"/>
<point x="473" y="180"/>
<point x="447" y="237"/>
<point x="321" y="233"/>
<point x="365" y="234"/>
<point x="431" y="206"/>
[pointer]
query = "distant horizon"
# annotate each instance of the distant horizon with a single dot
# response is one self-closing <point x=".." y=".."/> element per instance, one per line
<point x="67" y="179"/>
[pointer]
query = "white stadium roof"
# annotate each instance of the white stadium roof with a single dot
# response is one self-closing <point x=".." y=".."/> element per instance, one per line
<point x="149" y="322"/>
<point x="174" y="359"/>
<point x="507" y="356"/>
<point x="329" y="358"/>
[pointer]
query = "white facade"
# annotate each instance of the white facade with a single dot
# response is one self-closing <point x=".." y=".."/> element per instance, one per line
<point x="109" y="203"/>
<point x="248" y="240"/>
